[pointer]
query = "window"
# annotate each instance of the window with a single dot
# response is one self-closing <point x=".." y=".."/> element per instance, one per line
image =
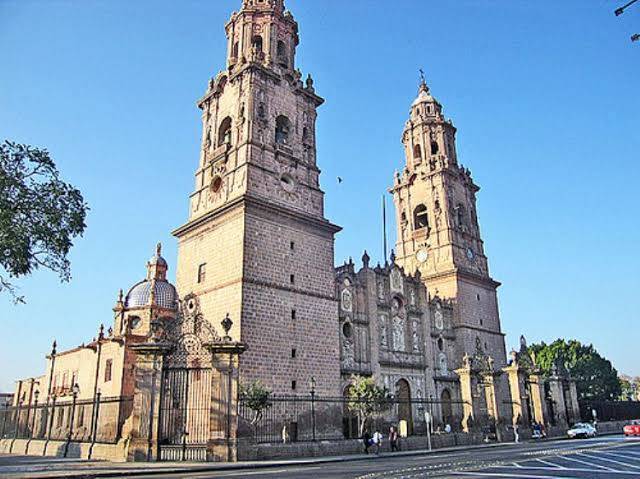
<point x="292" y="279"/>
<point x="293" y="353"/>
<point x="293" y="385"/>
<point x="346" y="330"/>
<point x="235" y="50"/>
<point x="478" y="297"/>
<point x="481" y="322"/>
<point x="65" y="378"/>
<point x="107" y="370"/>
<point x="434" y="148"/>
<point x="256" y="43"/>
<point x="293" y="314"/>
<point x="460" y="215"/>
<point x="224" y="132"/>
<point x="292" y="246"/>
<point x="60" y="417"/>
<point x="281" y="52"/>
<point x="202" y="272"/>
<point x="420" y="217"/>
<point x="417" y="152"/>
<point x="283" y="126"/>
<point x="440" y="344"/>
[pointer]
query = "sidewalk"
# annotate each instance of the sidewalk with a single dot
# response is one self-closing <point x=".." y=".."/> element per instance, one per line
<point x="18" y="467"/>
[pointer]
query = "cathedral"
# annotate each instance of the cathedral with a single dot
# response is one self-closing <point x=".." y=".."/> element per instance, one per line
<point x="257" y="295"/>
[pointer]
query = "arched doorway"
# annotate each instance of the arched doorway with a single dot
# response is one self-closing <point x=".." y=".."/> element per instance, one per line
<point x="403" y="398"/>
<point x="350" y="421"/>
<point x="445" y="402"/>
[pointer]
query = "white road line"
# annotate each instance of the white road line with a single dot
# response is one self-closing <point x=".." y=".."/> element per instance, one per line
<point x="622" y="455"/>
<point x="553" y="465"/>
<point x="625" y="455"/>
<point x="569" y="469"/>
<point x="600" y="458"/>
<point x="586" y="463"/>
<point x="503" y="476"/>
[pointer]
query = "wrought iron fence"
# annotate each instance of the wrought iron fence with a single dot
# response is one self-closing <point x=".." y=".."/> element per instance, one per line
<point x="610" y="410"/>
<point x="74" y="421"/>
<point x="309" y="418"/>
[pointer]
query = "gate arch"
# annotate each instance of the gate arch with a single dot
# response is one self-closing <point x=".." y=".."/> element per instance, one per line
<point x="403" y="396"/>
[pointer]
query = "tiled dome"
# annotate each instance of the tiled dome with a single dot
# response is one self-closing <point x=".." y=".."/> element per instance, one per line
<point x="166" y="295"/>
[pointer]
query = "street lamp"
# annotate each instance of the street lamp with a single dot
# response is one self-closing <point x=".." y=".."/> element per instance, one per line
<point x="312" y="387"/>
<point x="620" y="11"/>
<point x="75" y="390"/>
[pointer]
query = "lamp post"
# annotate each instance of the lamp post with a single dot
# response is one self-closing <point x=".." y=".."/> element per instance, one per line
<point x="75" y="390"/>
<point x="312" y="387"/>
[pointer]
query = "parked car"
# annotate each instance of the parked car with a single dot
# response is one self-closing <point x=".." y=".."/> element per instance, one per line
<point x="632" y="429"/>
<point x="582" y="429"/>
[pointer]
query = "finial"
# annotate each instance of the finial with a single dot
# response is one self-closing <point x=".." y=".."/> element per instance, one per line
<point x="309" y="82"/>
<point x="365" y="259"/>
<point x="120" y="295"/>
<point x="423" y="82"/>
<point x="226" y="325"/>
<point x="101" y="333"/>
<point x="54" y="347"/>
<point x="158" y="249"/>
<point x="393" y="257"/>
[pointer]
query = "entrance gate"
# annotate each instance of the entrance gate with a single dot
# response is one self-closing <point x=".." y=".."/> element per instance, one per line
<point x="185" y="411"/>
<point x="190" y="388"/>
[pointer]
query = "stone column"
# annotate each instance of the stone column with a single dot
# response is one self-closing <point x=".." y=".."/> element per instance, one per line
<point x="573" y="406"/>
<point x="466" y="395"/>
<point x="513" y="376"/>
<point x="223" y="436"/>
<point x="557" y="396"/>
<point x="144" y="419"/>
<point x="536" y="392"/>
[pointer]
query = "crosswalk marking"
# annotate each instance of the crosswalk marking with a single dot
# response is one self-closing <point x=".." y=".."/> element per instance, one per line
<point x="615" y="462"/>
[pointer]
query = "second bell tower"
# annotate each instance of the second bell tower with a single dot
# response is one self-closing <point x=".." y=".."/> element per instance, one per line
<point x="438" y="231"/>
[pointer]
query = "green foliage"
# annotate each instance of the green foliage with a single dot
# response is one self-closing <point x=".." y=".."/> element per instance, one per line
<point x="366" y="399"/>
<point x="596" y="378"/>
<point x="39" y="215"/>
<point x="257" y="398"/>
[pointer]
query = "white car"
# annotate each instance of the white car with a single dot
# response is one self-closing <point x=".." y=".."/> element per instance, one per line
<point x="582" y="429"/>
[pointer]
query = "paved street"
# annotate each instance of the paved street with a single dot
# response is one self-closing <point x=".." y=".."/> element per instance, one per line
<point x="601" y="458"/>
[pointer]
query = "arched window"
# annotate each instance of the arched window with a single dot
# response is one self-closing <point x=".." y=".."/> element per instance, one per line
<point x="420" y="217"/>
<point x="256" y="43"/>
<point x="281" y="53"/>
<point x="434" y="148"/>
<point x="417" y="152"/>
<point x="283" y="126"/>
<point x="224" y="132"/>
<point x="236" y="46"/>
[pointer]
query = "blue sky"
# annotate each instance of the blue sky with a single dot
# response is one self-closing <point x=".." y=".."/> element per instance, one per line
<point x="544" y="94"/>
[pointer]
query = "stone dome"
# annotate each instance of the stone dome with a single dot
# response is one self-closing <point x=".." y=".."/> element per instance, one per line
<point x="165" y="294"/>
<point x="424" y="96"/>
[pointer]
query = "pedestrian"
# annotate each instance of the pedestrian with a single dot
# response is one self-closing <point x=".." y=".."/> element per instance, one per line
<point x="447" y="428"/>
<point x="366" y="440"/>
<point x="515" y="433"/>
<point x="377" y="441"/>
<point x="285" y="434"/>
<point x="393" y="439"/>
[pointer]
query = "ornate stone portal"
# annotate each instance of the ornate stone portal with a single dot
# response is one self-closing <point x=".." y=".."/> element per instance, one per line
<point x="186" y="386"/>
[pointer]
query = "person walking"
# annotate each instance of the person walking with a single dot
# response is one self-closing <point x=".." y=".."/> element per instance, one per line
<point x="367" y="441"/>
<point x="515" y="433"/>
<point x="377" y="441"/>
<point x="393" y="439"/>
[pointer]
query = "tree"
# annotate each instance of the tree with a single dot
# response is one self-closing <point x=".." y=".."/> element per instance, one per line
<point x="366" y="399"/>
<point x="596" y="378"/>
<point x="257" y="398"/>
<point x="39" y="215"/>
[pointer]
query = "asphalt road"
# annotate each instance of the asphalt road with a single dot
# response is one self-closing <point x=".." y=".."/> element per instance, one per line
<point x="600" y="458"/>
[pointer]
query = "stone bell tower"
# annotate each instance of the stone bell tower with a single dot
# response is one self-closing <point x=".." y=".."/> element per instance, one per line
<point x="438" y="231"/>
<point x="257" y="244"/>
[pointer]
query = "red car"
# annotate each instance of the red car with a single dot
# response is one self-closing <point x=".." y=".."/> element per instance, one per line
<point x="632" y="429"/>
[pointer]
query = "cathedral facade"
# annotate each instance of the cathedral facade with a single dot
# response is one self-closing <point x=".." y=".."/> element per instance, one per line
<point x="257" y="295"/>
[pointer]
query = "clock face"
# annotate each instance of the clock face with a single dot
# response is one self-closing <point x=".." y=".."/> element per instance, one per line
<point x="470" y="254"/>
<point x="135" y="322"/>
<point x="422" y="255"/>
